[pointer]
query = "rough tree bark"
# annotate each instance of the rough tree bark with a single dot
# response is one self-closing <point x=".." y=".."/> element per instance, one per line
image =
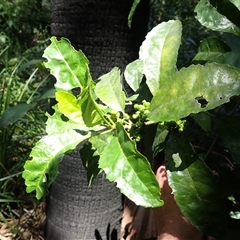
<point x="99" y="29"/>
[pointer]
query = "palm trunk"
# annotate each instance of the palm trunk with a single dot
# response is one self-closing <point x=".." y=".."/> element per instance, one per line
<point x="99" y="29"/>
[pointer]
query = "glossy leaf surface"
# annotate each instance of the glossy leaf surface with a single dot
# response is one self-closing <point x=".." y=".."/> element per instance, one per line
<point x="56" y="124"/>
<point x="132" y="172"/>
<point x="228" y="9"/>
<point x="194" y="187"/>
<point x="109" y="90"/>
<point x="209" y="17"/>
<point x="236" y="3"/>
<point x="68" y="66"/>
<point x="133" y="74"/>
<point x="46" y="154"/>
<point x="159" y="53"/>
<point x="195" y="89"/>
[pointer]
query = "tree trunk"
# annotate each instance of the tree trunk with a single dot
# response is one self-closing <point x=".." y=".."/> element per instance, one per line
<point x="99" y="29"/>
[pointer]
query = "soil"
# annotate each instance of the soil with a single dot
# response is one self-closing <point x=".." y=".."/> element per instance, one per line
<point x="26" y="222"/>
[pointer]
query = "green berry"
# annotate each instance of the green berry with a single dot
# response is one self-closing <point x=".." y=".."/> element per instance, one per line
<point x="138" y="139"/>
<point x="146" y="112"/>
<point x="126" y="116"/>
<point x="146" y="104"/>
<point x="135" y="116"/>
<point x="136" y="106"/>
<point x="114" y="112"/>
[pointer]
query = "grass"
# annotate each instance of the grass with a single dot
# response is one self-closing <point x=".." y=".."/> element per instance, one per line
<point x="23" y="81"/>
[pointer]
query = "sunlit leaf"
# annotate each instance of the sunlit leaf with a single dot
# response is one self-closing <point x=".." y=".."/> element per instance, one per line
<point x="228" y="9"/>
<point x="195" y="89"/>
<point x="57" y="124"/>
<point x="134" y="74"/>
<point x="194" y="187"/>
<point x="130" y="170"/>
<point x="159" y="53"/>
<point x="209" y="17"/>
<point x="40" y="172"/>
<point x="236" y="3"/>
<point x="69" y="106"/>
<point x="68" y="66"/>
<point x="109" y="90"/>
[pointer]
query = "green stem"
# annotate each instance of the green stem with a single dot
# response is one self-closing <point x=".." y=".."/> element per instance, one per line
<point x="104" y="117"/>
<point x="26" y="85"/>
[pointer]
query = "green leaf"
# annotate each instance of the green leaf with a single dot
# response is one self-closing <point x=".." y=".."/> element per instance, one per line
<point x="130" y="170"/>
<point x="91" y="154"/>
<point x="209" y="17"/>
<point x="68" y="66"/>
<point x="159" y="53"/>
<point x="228" y="9"/>
<point x="231" y="58"/>
<point x="204" y="120"/>
<point x="133" y="8"/>
<point x="214" y="50"/>
<point x="109" y="90"/>
<point x="195" y="89"/>
<point x="40" y="172"/>
<point x="69" y="106"/>
<point x="236" y="3"/>
<point x="160" y="138"/>
<point x="90" y="160"/>
<point x="12" y="114"/>
<point x="56" y="124"/>
<point x="213" y="44"/>
<point x="133" y="74"/>
<point x="229" y="132"/>
<point x="233" y="41"/>
<point x="91" y="112"/>
<point x="50" y="93"/>
<point x="192" y="182"/>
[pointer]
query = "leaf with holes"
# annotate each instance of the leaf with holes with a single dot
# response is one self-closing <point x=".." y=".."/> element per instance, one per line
<point x="69" y="106"/>
<point x="68" y="66"/>
<point x="40" y="172"/>
<point x="195" y="89"/>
